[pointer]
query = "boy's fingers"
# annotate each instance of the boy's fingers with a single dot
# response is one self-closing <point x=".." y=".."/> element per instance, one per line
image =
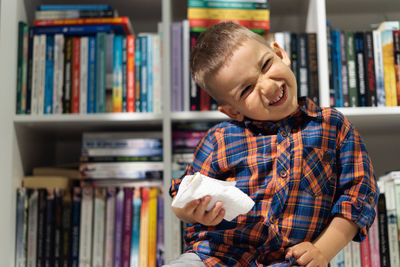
<point x="201" y="208"/>
<point x="192" y="205"/>
<point x="219" y="218"/>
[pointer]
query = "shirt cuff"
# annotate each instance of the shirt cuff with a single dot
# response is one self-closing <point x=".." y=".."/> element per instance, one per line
<point x="173" y="190"/>
<point x="361" y="211"/>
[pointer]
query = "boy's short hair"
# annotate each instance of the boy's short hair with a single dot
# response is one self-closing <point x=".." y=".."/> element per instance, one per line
<point x="214" y="48"/>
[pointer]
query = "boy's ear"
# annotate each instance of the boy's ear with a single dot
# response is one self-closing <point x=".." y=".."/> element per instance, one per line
<point x="281" y="53"/>
<point x="231" y="112"/>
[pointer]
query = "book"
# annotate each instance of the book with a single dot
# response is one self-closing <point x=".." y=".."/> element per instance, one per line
<point x="109" y="227"/>
<point x="75" y="77"/>
<point x="101" y="49"/>
<point x="130" y="73"/>
<point x="388" y="68"/>
<point x="127" y="227"/>
<point x="359" y="46"/>
<point x="379" y="74"/>
<point x="91" y="84"/>
<point x="58" y="227"/>
<point x="66" y="228"/>
<point x="109" y="65"/>
<point x="136" y="208"/>
<point x="365" y="252"/>
<point x="41" y="74"/>
<point x="75" y="226"/>
<point x="86" y="222"/>
<point x="143" y="72"/>
<point x="74" y="7"/>
<point x="49" y="75"/>
<point x="33" y="213"/>
<point x="396" y="48"/>
<point x="313" y="67"/>
<point x="176" y="67"/>
<point x="160" y="229"/>
<point x="369" y="71"/>
<point x="119" y="221"/>
<point x="83" y="74"/>
<point x="41" y="228"/>
<point x="355" y="254"/>
<point x="152" y="238"/>
<point x="67" y="84"/>
<point x="144" y="228"/>
<point x="138" y="59"/>
<point x="49" y="245"/>
<point x="98" y="226"/>
<point x="58" y="73"/>
<point x="124" y="73"/>
<point x="73" y="14"/>
<point x="50" y="182"/>
<point x="303" y="83"/>
<point x="21" y="67"/>
<point x="21" y="228"/>
<point x="351" y="70"/>
<point x="383" y="231"/>
<point x="374" y="242"/>
<point x="157" y="71"/>
<point x="117" y="74"/>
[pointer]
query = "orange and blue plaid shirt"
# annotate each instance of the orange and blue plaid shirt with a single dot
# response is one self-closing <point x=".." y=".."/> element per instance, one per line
<point x="301" y="172"/>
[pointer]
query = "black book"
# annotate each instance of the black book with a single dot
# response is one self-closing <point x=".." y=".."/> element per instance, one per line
<point x="360" y="68"/>
<point x="383" y="232"/>
<point x="369" y="70"/>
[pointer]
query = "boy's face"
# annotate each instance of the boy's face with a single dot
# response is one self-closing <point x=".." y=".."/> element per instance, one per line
<point x="257" y="83"/>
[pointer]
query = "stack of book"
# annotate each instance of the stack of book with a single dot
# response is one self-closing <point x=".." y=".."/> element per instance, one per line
<point x="364" y="66"/>
<point x="84" y="59"/>
<point x="121" y="155"/>
<point x="64" y="225"/>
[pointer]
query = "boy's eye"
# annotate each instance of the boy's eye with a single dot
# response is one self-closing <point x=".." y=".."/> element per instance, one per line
<point x="245" y="90"/>
<point x="266" y="63"/>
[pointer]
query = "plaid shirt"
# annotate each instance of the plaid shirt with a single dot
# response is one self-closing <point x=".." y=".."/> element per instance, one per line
<point x="300" y="171"/>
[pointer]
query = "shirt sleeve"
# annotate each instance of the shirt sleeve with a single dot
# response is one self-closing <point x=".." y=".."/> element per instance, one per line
<point x="202" y="161"/>
<point x="357" y="189"/>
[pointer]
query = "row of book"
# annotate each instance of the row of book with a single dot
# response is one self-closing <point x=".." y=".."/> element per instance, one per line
<point x="89" y="226"/>
<point x="364" y="66"/>
<point x="122" y="155"/>
<point x="87" y="65"/>
<point x="302" y="51"/>
<point x="251" y="14"/>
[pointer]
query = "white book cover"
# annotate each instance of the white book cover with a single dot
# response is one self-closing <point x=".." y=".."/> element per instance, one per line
<point x="42" y="73"/>
<point x="83" y="76"/>
<point x="35" y="75"/>
<point x="32" y="229"/>
<point x="280" y="39"/>
<point x="98" y="227"/>
<point x="85" y="235"/>
<point x="379" y="73"/>
<point x="58" y="77"/>
<point x="109" y="228"/>
<point x="355" y="254"/>
<point x="185" y="65"/>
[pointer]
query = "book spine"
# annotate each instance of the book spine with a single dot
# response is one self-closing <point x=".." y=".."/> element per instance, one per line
<point x="293" y="55"/>
<point x="231" y="14"/>
<point x="76" y="59"/>
<point x="160" y="230"/>
<point x="100" y="72"/>
<point x="176" y="66"/>
<point x="228" y="4"/>
<point x="117" y="74"/>
<point x="109" y="72"/>
<point x="143" y="73"/>
<point x="302" y="65"/>
<point x="369" y="71"/>
<point x="41" y="228"/>
<point x="73" y="14"/>
<point x="30" y="72"/>
<point x="21" y="26"/>
<point x="98" y="227"/>
<point x="58" y="73"/>
<point x="360" y="67"/>
<point x="83" y="74"/>
<point x="24" y="71"/>
<point x="388" y="68"/>
<point x="21" y="227"/>
<point x="127" y="227"/>
<point x="41" y="73"/>
<point x="85" y="241"/>
<point x="67" y="84"/>
<point x="119" y="220"/>
<point x="396" y="49"/>
<point x="49" y="75"/>
<point x="109" y="228"/>
<point x="194" y="88"/>
<point x="74" y="7"/>
<point x="76" y="30"/>
<point x="393" y="240"/>
<point x="58" y="241"/>
<point x="66" y="228"/>
<point x="343" y="58"/>
<point x="91" y="99"/>
<point x="355" y="254"/>
<point x="124" y="74"/>
<point x="130" y="73"/>
<point x="33" y="214"/>
<point x="136" y="208"/>
<point x="152" y="246"/>
<point x="150" y="88"/>
<point x="348" y="255"/>
<point x="50" y="229"/>
<point x="144" y="228"/>
<point x="337" y="68"/>
<point x="138" y="104"/>
<point x="185" y="65"/>
<point x="351" y="70"/>
<point x="379" y="75"/>
<point x="313" y="67"/>
<point x="365" y="253"/>
<point x="374" y="242"/>
<point x="157" y="70"/>
<point x="383" y="231"/>
<point x="75" y="227"/>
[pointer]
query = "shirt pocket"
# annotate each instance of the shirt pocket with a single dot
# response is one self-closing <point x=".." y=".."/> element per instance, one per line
<point x="318" y="172"/>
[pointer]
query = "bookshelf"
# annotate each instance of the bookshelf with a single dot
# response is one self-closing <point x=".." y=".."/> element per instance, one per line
<point x="26" y="140"/>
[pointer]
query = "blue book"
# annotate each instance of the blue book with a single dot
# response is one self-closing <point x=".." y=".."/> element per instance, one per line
<point x="150" y="87"/>
<point x="77" y="29"/>
<point x="137" y="202"/>
<point x="337" y="68"/>
<point x="91" y="104"/>
<point x="74" y="7"/>
<point x="143" y="73"/>
<point x="138" y="58"/>
<point x="101" y="72"/>
<point x="48" y="87"/>
<point x="360" y="67"/>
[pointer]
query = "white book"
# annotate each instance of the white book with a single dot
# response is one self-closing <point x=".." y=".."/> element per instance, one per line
<point x="355" y="254"/>
<point x="85" y="235"/>
<point x="98" y="227"/>
<point x="83" y="75"/>
<point x="280" y="39"/>
<point x="287" y="39"/>
<point x="185" y="64"/>
<point x="41" y="73"/>
<point x="58" y="77"/>
<point x="347" y="255"/>
<point x="32" y="229"/>
<point x="124" y="166"/>
<point x="109" y="228"/>
<point x="379" y="73"/>
<point x="35" y="75"/>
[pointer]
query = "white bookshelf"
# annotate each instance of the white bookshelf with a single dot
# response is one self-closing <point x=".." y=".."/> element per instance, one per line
<point x="26" y="140"/>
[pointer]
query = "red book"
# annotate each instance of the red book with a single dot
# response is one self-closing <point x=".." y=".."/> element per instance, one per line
<point x="204" y="100"/>
<point x="130" y="73"/>
<point x="127" y="227"/>
<point x="76" y="58"/>
<point x="251" y="24"/>
<point x="365" y="253"/>
<point x="122" y="21"/>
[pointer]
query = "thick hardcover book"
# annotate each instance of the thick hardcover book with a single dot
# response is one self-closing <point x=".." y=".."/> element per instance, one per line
<point x="33" y="213"/>
<point x="136" y="208"/>
<point x="388" y="68"/>
<point x="101" y="38"/>
<point x="313" y="67"/>
<point x="337" y="68"/>
<point x="144" y="228"/>
<point x="360" y="68"/>
<point x="75" y="226"/>
<point x="58" y="73"/>
<point x="98" y="226"/>
<point x="123" y="21"/>
<point x="127" y="227"/>
<point x="91" y="94"/>
<point x="83" y="74"/>
<point x="85" y="239"/>
<point x="117" y="74"/>
<point x="130" y="73"/>
<point x="351" y="70"/>
<point x="119" y="221"/>
<point x="21" y="228"/>
<point x="369" y="69"/>
<point x="109" y="227"/>
<point x="67" y="84"/>
<point x="383" y="232"/>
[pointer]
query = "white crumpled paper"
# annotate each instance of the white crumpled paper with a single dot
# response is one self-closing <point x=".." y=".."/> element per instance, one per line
<point x="196" y="186"/>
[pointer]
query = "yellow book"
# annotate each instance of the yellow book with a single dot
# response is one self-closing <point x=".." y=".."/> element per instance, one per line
<point x="144" y="229"/>
<point x="228" y="14"/>
<point x="388" y="68"/>
<point x="49" y="182"/>
<point x="152" y="227"/>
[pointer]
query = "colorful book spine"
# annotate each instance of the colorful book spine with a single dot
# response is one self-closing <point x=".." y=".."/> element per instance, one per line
<point x="144" y="228"/>
<point x="374" y="242"/>
<point x="73" y="14"/>
<point x="83" y="74"/>
<point x="136" y="208"/>
<point x="119" y="221"/>
<point x="337" y="68"/>
<point x="117" y="74"/>
<point x="379" y="75"/>
<point x="58" y="73"/>
<point x="49" y="75"/>
<point x="228" y="4"/>
<point x="76" y="59"/>
<point x="109" y="72"/>
<point x="160" y="230"/>
<point x="152" y="246"/>
<point x="388" y="68"/>
<point x="138" y="59"/>
<point x="130" y="73"/>
<point x="143" y="73"/>
<point x="185" y="65"/>
<point x="86" y="221"/>
<point x="369" y="71"/>
<point x="396" y="48"/>
<point x="75" y="226"/>
<point x="74" y="7"/>
<point x="313" y="67"/>
<point x="33" y="207"/>
<point x="109" y="228"/>
<point x="150" y="87"/>
<point x="365" y="253"/>
<point x="360" y="68"/>
<point x="100" y="72"/>
<point x="98" y="227"/>
<point x="124" y="74"/>
<point x="229" y="14"/>
<point x="355" y="254"/>
<point x="91" y="94"/>
<point x="157" y="73"/>
<point x="21" y="228"/>
<point x="30" y="72"/>
<point x="127" y="227"/>
<point x="67" y="84"/>
<point x="22" y="68"/>
<point x="73" y="30"/>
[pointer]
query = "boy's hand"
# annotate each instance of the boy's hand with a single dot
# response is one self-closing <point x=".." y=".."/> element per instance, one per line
<point x="306" y="254"/>
<point x="195" y="212"/>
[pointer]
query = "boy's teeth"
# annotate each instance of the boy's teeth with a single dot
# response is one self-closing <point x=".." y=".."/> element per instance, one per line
<point x="278" y="98"/>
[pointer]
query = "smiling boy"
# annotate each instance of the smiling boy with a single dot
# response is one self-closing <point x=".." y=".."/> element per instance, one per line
<point x="305" y="167"/>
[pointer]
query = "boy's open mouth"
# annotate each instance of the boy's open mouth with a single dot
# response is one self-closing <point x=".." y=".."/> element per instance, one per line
<point x="281" y="98"/>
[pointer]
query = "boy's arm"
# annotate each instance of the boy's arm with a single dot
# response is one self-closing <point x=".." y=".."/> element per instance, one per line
<point x="333" y="239"/>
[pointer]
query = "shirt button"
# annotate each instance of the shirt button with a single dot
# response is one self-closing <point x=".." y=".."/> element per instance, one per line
<point x="284" y="133"/>
<point x="371" y="199"/>
<point x="283" y="174"/>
